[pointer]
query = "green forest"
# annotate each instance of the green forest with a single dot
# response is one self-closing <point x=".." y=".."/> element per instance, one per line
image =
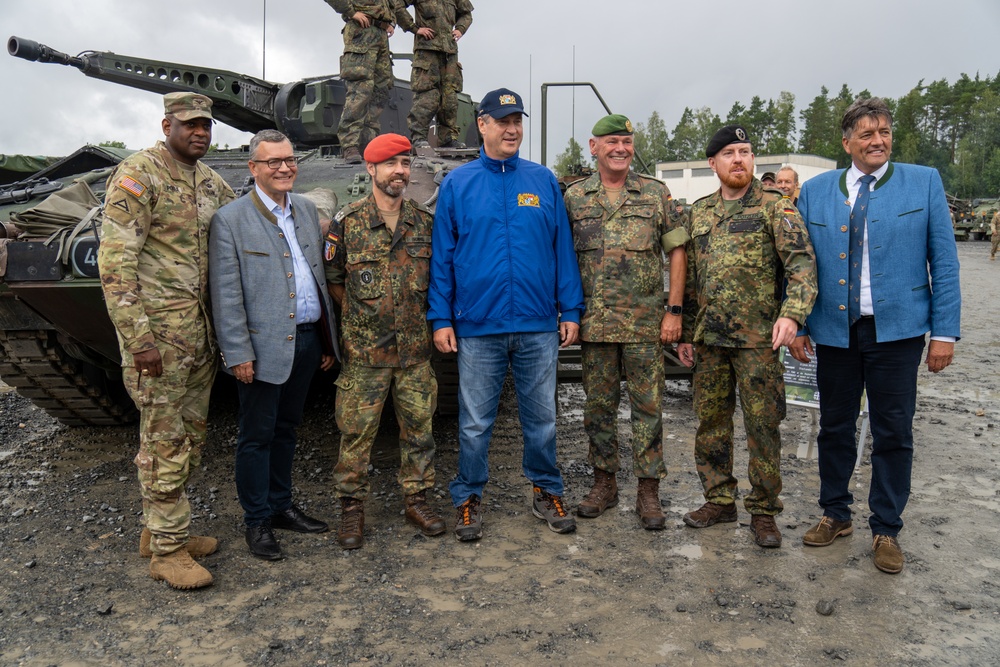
<point x="954" y="127"/>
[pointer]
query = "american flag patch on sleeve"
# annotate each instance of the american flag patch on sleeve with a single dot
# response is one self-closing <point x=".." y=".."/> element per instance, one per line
<point x="129" y="184"/>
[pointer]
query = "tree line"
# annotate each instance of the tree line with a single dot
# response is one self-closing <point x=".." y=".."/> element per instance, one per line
<point x="953" y="127"/>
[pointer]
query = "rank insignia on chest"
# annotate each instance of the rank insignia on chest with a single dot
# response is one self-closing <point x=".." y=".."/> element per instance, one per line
<point x="129" y="184"/>
<point x="367" y="277"/>
<point x="528" y="199"/>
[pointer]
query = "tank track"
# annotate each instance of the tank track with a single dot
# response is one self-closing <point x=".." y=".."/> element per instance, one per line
<point x="72" y="391"/>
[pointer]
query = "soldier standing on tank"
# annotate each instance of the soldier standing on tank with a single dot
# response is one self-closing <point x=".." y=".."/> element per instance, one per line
<point x="153" y="260"/>
<point x="378" y="254"/>
<point x="436" y="75"/>
<point x="994" y="234"/>
<point x="366" y="69"/>
<point x="746" y="243"/>
<point x="622" y="224"/>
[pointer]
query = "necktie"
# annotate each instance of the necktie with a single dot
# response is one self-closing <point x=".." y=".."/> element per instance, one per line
<point x="859" y="216"/>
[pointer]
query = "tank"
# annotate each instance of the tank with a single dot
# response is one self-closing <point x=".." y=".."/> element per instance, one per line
<point x="57" y="345"/>
<point x="972" y="217"/>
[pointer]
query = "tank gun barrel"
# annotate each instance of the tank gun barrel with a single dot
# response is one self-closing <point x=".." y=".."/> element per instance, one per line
<point x="239" y="100"/>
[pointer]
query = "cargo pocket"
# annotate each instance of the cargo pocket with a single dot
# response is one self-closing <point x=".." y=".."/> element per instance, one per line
<point x="354" y="66"/>
<point x="365" y="277"/>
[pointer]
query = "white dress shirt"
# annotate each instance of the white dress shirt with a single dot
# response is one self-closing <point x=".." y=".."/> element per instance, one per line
<point x="307" y="308"/>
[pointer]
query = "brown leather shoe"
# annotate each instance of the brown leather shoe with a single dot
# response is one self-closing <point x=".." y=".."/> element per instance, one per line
<point x="765" y="531"/>
<point x="710" y="514"/>
<point x="423" y="516"/>
<point x="647" y="505"/>
<point x="350" y="534"/>
<point x="179" y="570"/>
<point x="603" y="494"/>
<point x="826" y="531"/>
<point x="197" y="545"/>
<point x="887" y="555"/>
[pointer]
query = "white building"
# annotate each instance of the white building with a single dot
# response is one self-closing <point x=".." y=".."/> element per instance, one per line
<point x="694" y="179"/>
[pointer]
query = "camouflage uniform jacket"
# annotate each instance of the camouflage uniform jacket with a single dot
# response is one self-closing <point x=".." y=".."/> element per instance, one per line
<point x="384" y="321"/>
<point x="379" y="10"/>
<point x="738" y="266"/>
<point x="618" y="246"/>
<point x="153" y="256"/>
<point x="441" y="16"/>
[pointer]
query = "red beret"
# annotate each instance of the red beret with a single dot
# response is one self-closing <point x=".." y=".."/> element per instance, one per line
<point x="386" y="146"/>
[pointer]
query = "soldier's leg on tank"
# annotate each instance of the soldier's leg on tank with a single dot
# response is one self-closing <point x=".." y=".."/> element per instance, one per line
<point x="361" y="393"/>
<point x="601" y="363"/>
<point x="357" y="70"/>
<point x="163" y="460"/>
<point x="450" y="86"/>
<point x="381" y="88"/>
<point x="414" y="396"/>
<point x="645" y="376"/>
<point x="762" y="396"/>
<point x="424" y="79"/>
<point x="715" y="403"/>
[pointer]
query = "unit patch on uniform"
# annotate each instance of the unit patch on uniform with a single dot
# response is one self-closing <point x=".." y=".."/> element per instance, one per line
<point x="122" y="204"/>
<point x="528" y="199"/>
<point x="129" y="184"/>
<point x="366" y="277"/>
<point x="330" y="249"/>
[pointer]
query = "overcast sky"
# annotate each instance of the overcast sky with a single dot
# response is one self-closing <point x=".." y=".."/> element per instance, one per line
<point x="642" y="55"/>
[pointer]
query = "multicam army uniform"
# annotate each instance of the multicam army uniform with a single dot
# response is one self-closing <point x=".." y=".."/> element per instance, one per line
<point x="436" y="74"/>
<point x="994" y="234"/>
<point x="365" y="67"/>
<point x="738" y="262"/>
<point x="153" y="260"/>
<point x="618" y="246"/>
<point x="386" y="340"/>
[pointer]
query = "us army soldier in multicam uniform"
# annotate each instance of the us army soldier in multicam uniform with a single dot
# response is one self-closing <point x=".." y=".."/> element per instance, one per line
<point x="366" y="69"/>
<point x="154" y="270"/>
<point x="436" y="75"/>
<point x="621" y="221"/>
<point x="378" y="254"/>
<point x="747" y="241"/>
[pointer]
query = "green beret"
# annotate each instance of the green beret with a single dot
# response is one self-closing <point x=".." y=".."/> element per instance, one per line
<point x="613" y="124"/>
<point x="730" y="134"/>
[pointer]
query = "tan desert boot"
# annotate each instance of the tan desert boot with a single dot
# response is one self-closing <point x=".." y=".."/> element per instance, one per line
<point x="179" y="570"/>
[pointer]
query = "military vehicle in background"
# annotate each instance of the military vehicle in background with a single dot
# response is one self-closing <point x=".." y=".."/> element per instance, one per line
<point x="972" y="217"/>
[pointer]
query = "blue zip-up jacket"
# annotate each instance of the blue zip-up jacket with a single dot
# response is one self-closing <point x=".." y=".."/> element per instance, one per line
<point x="502" y="254"/>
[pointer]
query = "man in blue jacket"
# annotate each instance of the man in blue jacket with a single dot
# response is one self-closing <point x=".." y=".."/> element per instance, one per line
<point x="505" y="292"/>
<point x="888" y="274"/>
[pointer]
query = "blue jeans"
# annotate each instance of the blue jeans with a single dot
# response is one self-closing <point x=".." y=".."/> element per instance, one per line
<point x="482" y="367"/>
<point x="265" y="446"/>
<point x="888" y="372"/>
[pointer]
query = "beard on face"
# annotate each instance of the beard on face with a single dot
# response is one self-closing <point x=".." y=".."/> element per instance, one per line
<point x="389" y="188"/>
<point x="736" y="181"/>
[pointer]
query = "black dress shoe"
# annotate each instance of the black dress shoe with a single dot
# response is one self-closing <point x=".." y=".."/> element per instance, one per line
<point x="262" y="543"/>
<point x="295" y="519"/>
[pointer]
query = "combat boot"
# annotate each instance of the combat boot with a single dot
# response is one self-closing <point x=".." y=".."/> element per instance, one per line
<point x="197" y="545"/>
<point x="350" y="534"/>
<point x="352" y="155"/>
<point x="647" y="505"/>
<point x="179" y="570"/>
<point x="603" y="494"/>
<point x="423" y="516"/>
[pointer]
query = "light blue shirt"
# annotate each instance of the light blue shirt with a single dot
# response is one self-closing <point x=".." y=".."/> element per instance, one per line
<point x="307" y="308"/>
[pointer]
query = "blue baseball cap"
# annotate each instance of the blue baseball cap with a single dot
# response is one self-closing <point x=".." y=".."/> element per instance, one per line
<point x="501" y="103"/>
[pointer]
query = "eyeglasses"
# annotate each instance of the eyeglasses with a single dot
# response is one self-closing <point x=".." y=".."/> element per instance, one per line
<point x="275" y="163"/>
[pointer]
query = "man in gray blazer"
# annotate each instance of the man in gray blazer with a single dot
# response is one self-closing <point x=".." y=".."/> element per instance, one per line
<point x="275" y="325"/>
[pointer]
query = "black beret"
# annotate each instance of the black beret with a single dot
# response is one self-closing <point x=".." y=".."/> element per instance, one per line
<point x="730" y="134"/>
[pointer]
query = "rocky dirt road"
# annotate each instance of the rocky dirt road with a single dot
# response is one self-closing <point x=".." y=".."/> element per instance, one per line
<point x="76" y="592"/>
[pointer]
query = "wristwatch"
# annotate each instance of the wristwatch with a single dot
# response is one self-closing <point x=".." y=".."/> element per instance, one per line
<point x="675" y="310"/>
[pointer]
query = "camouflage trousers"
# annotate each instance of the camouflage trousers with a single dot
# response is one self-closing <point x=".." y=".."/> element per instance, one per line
<point x="436" y="81"/>
<point x="602" y="376"/>
<point x="361" y="394"/>
<point x="994" y="243"/>
<point x="173" y="419"/>
<point x="367" y="73"/>
<point x="760" y="378"/>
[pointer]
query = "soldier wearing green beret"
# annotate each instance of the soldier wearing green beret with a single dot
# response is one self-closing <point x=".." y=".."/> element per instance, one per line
<point x="622" y="224"/>
<point x="751" y="283"/>
<point x="154" y="270"/>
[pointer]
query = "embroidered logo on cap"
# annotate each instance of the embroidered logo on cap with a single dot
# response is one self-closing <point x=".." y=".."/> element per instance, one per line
<point x="628" y="125"/>
<point x="507" y="99"/>
<point x="528" y="199"/>
<point x="740" y="134"/>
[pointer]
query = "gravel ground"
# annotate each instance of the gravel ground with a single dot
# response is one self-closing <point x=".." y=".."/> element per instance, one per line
<point x="76" y="592"/>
